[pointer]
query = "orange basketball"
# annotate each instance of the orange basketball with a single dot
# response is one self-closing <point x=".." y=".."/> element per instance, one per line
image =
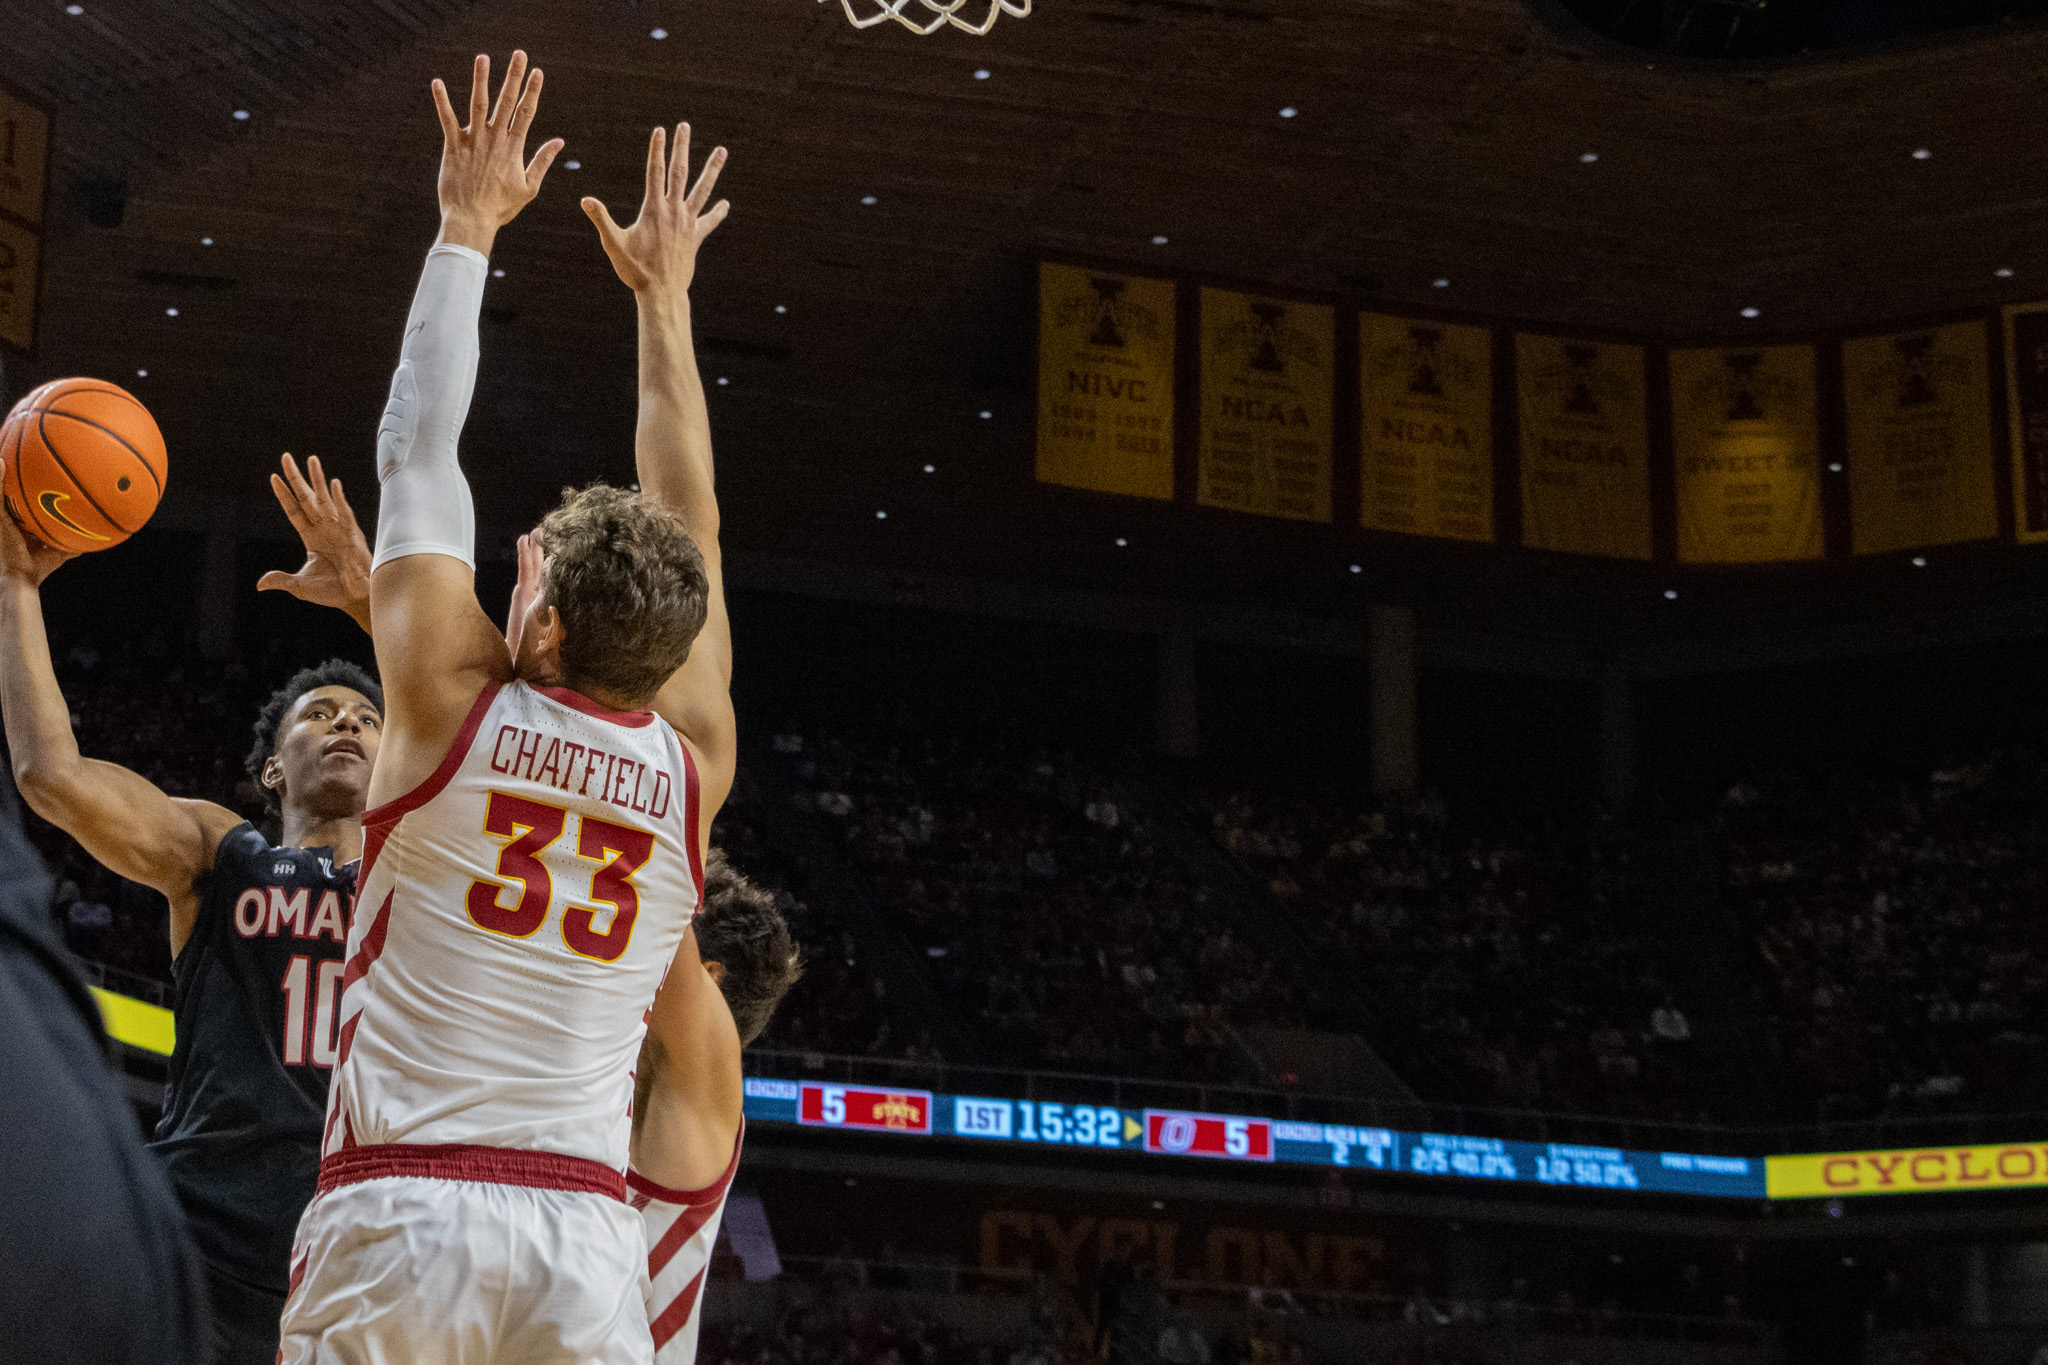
<point x="85" y="464"/>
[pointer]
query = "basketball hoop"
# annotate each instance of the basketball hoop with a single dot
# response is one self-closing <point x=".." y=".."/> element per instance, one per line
<point x="929" y="16"/>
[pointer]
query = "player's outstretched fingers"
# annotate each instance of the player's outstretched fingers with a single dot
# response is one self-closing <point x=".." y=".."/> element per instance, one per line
<point x="657" y="167"/>
<point x="708" y="223"/>
<point x="700" y="193"/>
<point x="510" y="92"/>
<point x="450" y="129"/>
<point x="537" y="169"/>
<point x="479" y="92"/>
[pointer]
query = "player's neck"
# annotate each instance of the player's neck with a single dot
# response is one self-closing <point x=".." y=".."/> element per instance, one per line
<point x="342" y="833"/>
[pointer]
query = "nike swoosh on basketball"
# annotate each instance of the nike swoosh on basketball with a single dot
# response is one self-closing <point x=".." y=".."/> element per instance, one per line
<point x="48" y="501"/>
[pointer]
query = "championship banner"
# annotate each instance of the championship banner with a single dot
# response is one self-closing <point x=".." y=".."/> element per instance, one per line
<point x="1105" y="381"/>
<point x="1747" y="447"/>
<point x="1921" y="1170"/>
<point x="1585" y="447"/>
<point x="1919" y="408"/>
<point x="2026" y="369"/>
<point x="19" y="252"/>
<point x="1426" y="407"/>
<point x="24" y="158"/>
<point x="1268" y="379"/>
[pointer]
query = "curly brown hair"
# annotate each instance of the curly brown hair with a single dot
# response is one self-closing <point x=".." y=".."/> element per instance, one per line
<point x="630" y="586"/>
<point x="741" y="926"/>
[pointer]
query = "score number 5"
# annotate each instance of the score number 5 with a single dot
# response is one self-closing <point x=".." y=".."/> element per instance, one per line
<point x="530" y="827"/>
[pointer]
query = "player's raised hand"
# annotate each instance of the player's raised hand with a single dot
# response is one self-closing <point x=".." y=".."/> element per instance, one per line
<point x="485" y="175"/>
<point x="337" y="568"/>
<point x="659" y="251"/>
<point x="524" y="591"/>
<point x="22" y="556"/>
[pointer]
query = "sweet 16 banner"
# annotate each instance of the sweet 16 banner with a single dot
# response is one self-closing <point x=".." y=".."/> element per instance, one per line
<point x="1746" y="444"/>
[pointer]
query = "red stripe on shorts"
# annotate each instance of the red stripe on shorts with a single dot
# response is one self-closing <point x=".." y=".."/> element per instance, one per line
<point x="464" y="1161"/>
<point x="677" y="1313"/>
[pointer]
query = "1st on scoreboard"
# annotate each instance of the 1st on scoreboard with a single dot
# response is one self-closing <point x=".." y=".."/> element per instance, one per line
<point x="865" y="1109"/>
<point x="1172" y="1133"/>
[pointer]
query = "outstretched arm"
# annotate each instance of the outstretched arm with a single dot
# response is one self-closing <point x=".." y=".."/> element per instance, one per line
<point x="121" y="818"/>
<point x="436" y="649"/>
<point x="337" y="568"/>
<point x="657" y="258"/>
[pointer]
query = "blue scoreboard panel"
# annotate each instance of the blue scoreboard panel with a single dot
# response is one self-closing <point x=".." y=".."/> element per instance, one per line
<point x="1237" y="1137"/>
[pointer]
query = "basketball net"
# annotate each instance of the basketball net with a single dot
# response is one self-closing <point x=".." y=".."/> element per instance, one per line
<point x="929" y="16"/>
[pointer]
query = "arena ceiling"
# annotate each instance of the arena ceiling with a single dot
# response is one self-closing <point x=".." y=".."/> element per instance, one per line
<point x="862" y="341"/>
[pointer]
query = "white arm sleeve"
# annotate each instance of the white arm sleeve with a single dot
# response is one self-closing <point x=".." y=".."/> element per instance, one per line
<point x="426" y="508"/>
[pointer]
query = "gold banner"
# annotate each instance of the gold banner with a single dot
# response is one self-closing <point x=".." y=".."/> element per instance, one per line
<point x="1426" y="439"/>
<point x="1268" y="375"/>
<point x="1105" y="381"/>
<point x="2026" y="372"/>
<point x="24" y="158"/>
<point x="1585" y="447"/>
<point x="19" y="249"/>
<point x="1920" y="438"/>
<point x="1747" y="447"/>
<point x="1919" y="1170"/>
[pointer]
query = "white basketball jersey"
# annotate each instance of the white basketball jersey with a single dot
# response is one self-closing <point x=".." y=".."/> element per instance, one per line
<point x="516" y="912"/>
<point x="682" y="1229"/>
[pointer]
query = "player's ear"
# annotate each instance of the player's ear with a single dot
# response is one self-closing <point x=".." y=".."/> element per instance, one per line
<point x="717" y="970"/>
<point x="273" y="773"/>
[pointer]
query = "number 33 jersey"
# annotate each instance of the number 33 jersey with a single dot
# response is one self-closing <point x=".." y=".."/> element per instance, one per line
<point x="516" y="912"/>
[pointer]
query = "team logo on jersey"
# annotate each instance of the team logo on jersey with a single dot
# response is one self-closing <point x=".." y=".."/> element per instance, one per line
<point x="283" y="868"/>
<point x="327" y="867"/>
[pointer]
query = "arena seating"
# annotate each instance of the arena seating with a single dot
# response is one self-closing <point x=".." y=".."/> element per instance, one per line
<point x="1899" y="923"/>
<point x="1052" y="910"/>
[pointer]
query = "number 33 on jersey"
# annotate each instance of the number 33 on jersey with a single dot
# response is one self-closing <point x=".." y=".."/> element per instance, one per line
<point x="555" y="847"/>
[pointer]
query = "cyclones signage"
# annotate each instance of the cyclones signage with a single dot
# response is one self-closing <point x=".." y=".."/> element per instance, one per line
<point x="1922" y="1170"/>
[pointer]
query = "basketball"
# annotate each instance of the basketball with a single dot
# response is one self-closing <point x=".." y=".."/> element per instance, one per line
<point x="85" y="464"/>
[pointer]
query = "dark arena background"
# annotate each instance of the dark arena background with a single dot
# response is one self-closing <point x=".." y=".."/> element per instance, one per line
<point x="1390" y="654"/>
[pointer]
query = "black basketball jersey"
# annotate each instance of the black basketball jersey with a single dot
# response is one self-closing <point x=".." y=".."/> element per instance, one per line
<point x="258" y="988"/>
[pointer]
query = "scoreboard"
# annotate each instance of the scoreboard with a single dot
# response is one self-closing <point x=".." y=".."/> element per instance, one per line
<point x="1238" y="1137"/>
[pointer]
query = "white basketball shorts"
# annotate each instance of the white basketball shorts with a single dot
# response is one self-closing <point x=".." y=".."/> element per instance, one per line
<point x="405" y="1269"/>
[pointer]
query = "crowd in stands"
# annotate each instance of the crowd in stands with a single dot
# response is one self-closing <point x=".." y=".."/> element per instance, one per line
<point x="1505" y="955"/>
<point x="1899" y="923"/>
<point x="1067" y="930"/>
<point x="1064" y="926"/>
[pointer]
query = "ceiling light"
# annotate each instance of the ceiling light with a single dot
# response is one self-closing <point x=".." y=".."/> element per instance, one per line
<point x="782" y="308"/>
<point x="572" y="164"/>
<point x="931" y="469"/>
<point x="1921" y="154"/>
<point x="206" y="241"/>
<point x="170" y="312"/>
<point x="498" y="273"/>
<point x="1919" y="561"/>
<point x="1834" y="469"/>
<point x="1358" y="568"/>
<point x="1670" y="594"/>
<point x="142" y="374"/>
<point x="1752" y="313"/>
<point x="241" y="115"/>
<point x="723" y="381"/>
<point x="868" y="199"/>
<point x="74" y="10"/>
<point x="1121" y="542"/>
<point x="1289" y="112"/>
<point x="881" y="516"/>
<point x="986" y="414"/>
<point x="1159" y="241"/>
<point x="658" y="34"/>
<point x="1588" y="158"/>
<point x="2003" y="272"/>
<point x="1440" y="283"/>
<point x="981" y="74"/>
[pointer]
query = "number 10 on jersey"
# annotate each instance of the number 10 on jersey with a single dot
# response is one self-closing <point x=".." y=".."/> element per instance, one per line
<point x="529" y="827"/>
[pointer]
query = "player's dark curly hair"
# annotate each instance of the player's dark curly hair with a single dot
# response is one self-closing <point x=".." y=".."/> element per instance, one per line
<point x="741" y="926"/>
<point x="630" y="586"/>
<point x="270" y="720"/>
